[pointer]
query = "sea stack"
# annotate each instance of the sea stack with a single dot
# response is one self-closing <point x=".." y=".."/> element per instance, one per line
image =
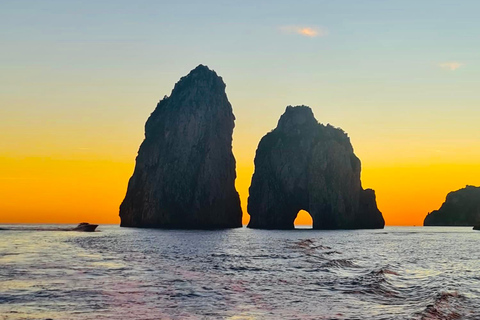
<point x="304" y="165"/>
<point x="461" y="208"/>
<point x="185" y="170"/>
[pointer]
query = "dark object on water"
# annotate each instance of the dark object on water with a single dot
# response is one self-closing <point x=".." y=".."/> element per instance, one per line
<point x="86" y="227"/>
<point x="476" y="227"/>
<point x="461" y="208"/>
<point x="184" y="175"/>
<point x="304" y="165"/>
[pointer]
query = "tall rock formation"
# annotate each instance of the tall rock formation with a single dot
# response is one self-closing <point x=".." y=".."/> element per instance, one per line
<point x="461" y="208"/>
<point x="185" y="170"/>
<point x="302" y="164"/>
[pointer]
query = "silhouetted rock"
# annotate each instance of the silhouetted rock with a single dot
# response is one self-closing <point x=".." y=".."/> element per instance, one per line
<point x="304" y="165"/>
<point x="477" y="227"/>
<point x="185" y="170"/>
<point x="461" y="208"/>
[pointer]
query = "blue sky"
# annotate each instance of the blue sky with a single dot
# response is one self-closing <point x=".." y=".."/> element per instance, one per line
<point x="376" y="62"/>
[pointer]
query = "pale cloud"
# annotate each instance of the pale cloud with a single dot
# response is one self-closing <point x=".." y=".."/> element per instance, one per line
<point x="305" y="31"/>
<point x="452" y="66"/>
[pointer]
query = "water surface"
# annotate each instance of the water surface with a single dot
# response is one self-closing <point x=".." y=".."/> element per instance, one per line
<point x="119" y="273"/>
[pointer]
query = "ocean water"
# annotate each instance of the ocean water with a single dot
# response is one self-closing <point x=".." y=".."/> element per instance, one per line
<point x="119" y="273"/>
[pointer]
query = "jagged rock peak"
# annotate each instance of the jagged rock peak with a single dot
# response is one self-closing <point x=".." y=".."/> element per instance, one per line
<point x="295" y="118"/>
<point x="185" y="170"/>
<point x="461" y="208"/>
<point x="201" y="76"/>
<point x="301" y="120"/>
<point x="304" y="165"/>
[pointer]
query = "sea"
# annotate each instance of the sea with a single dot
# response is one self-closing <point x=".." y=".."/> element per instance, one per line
<point x="126" y="273"/>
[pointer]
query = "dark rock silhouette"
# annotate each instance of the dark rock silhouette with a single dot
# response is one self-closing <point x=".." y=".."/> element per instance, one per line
<point x="185" y="170"/>
<point x="461" y="208"/>
<point x="304" y="165"/>
<point x="476" y="227"/>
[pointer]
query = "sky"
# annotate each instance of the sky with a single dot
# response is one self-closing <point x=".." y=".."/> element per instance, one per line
<point x="78" y="80"/>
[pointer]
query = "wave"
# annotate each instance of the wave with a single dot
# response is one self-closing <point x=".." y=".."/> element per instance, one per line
<point x="375" y="286"/>
<point x="446" y="306"/>
<point x="340" y="263"/>
<point x="310" y="244"/>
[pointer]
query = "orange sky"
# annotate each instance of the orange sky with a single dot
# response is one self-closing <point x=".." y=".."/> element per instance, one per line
<point x="69" y="164"/>
<point x="46" y="190"/>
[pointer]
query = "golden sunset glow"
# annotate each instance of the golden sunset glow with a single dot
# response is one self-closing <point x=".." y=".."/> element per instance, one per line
<point x="61" y="191"/>
<point x="46" y="190"/>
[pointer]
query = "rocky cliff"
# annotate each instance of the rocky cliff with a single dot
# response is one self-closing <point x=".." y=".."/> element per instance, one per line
<point x="461" y="208"/>
<point x="302" y="164"/>
<point x="185" y="170"/>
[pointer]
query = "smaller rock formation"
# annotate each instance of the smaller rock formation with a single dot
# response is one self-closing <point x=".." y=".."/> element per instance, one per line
<point x="477" y="227"/>
<point x="304" y="165"/>
<point x="461" y="208"/>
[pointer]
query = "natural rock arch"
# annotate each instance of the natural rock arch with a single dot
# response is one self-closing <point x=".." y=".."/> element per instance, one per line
<point x="303" y="219"/>
<point x="304" y="165"/>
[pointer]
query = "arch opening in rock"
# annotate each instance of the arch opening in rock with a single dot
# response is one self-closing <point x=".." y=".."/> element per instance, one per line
<point x="303" y="220"/>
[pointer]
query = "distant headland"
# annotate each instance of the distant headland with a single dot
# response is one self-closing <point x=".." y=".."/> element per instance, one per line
<point x="461" y="208"/>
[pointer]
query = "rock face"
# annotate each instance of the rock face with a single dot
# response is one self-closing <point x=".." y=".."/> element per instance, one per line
<point x="304" y="165"/>
<point x="185" y="170"/>
<point x="461" y="208"/>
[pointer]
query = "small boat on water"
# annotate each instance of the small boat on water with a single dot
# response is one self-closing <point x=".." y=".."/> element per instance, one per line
<point x="85" y="227"/>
